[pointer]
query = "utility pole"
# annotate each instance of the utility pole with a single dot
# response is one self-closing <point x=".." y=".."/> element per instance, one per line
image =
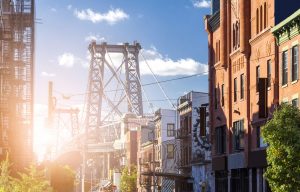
<point x="153" y="158"/>
<point x="83" y="159"/>
<point x="50" y="105"/>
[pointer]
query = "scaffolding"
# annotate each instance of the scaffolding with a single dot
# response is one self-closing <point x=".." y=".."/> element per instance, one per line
<point x="16" y="80"/>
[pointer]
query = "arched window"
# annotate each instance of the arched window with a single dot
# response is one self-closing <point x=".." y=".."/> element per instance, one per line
<point x="237" y="34"/>
<point x="257" y="21"/>
<point x="265" y="15"/>
<point x="261" y="18"/>
<point x="233" y="37"/>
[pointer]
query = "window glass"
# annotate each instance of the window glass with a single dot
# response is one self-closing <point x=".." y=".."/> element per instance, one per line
<point x="242" y="86"/>
<point x="170" y="130"/>
<point x="295" y="61"/>
<point x="284" y="68"/>
<point x="235" y="90"/>
<point x="170" y="151"/>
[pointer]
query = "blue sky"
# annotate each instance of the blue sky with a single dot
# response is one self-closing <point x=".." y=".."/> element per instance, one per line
<point x="171" y="33"/>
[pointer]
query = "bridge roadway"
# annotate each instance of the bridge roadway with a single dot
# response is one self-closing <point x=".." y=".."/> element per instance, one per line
<point x="71" y="152"/>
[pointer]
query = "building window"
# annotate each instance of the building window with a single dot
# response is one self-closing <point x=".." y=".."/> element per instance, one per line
<point x="235" y="89"/>
<point x="233" y="36"/>
<point x="170" y="151"/>
<point x="295" y="102"/>
<point x="220" y="140"/>
<point x="236" y="35"/>
<point x="216" y="98"/>
<point x="295" y="61"/>
<point x="217" y="55"/>
<point x="222" y="94"/>
<point x="257" y="77"/>
<point x="259" y="139"/>
<point x="261" y="18"/>
<point x="284" y="68"/>
<point x="238" y="135"/>
<point x="257" y="21"/>
<point x="265" y="15"/>
<point x="170" y="129"/>
<point x="242" y="86"/>
<point x="269" y="72"/>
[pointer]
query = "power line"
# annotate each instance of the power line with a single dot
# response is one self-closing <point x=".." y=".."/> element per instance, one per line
<point x="146" y="84"/>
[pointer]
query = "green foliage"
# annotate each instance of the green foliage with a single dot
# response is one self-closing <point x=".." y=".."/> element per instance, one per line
<point x="5" y="179"/>
<point x="62" y="178"/>
<point x="129" y="179"/>
<point x="282" y="133"/>
<point x="32" y="181"/>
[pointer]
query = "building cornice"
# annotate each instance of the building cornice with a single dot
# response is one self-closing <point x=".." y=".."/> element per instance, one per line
<point x="259" y="36"/>
<point x="287" y="29"/>
<point x="214" y="21"/>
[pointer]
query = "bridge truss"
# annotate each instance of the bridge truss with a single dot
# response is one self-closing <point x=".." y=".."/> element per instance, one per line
<point x="111" y="85"/>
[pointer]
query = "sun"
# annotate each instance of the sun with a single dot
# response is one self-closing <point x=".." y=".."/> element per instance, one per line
<point x="44" y="140"/>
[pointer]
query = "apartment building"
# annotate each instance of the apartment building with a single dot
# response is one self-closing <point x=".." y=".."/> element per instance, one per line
<point x="287" y="39"/>
<point x="194" y="159"/>
<point x="244" y="87"/>
<point x="145" y="167"/>
<point x="165" y="148"/>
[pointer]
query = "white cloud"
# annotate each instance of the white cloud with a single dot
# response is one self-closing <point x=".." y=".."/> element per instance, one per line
<point x="66" y="60"/>
<point x="53" y="9"/>
<point x="92" y="37"/>
<point x="159" y="64"/>
<point x="164" y="66"/>
<point x="69" y="60"/>
<point x="69" y="7"/>
<point x="111" y="17"/>
<point x="46" y="74"/>
<point x="202" y="3"/>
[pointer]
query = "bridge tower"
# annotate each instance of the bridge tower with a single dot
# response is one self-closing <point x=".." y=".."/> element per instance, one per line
<point x="114" y="86"/>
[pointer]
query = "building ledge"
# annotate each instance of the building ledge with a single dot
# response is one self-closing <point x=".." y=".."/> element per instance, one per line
<point x="167" y="175"/>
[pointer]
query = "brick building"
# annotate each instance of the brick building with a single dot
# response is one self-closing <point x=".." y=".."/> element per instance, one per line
<point x="288" y="38"/>
<point x="242" y="53"/>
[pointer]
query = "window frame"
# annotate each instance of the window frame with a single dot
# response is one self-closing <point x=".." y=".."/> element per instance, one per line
<point x="216" y="98"/>
<point x="222" y="95"/>
<point x="269" y="72"/>
<point x="257" y="77"/>
<point x="170" y="154"/>
<point x="238" y="135"/>
<point x="297" y="102"/>
<point x="220" y="140"/>
<point x="259" y="140"/>
<point x="242" y="86"/>
<point x="170" y="132"/>
<point x="295" y="63"/>
<point x="284" y="68"/>
<point x="235" y="89"/>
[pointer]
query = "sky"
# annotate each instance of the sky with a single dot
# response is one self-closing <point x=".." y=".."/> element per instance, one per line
<point x="171" y="33"/>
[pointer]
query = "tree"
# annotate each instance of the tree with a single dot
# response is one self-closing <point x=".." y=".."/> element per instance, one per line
<point x="282" y="133"/>
<point x="129" y="179"/>
<point x="5" y="179"/>
<point x="62" y="178"/>
<point x="32" y="181"/>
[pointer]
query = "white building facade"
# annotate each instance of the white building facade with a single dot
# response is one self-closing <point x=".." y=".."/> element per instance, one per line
<point x="165" y="156"/>
<point x="195" y="154"/>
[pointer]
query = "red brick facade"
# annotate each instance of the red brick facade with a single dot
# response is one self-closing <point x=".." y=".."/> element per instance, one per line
<point x="243" y="49"/>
